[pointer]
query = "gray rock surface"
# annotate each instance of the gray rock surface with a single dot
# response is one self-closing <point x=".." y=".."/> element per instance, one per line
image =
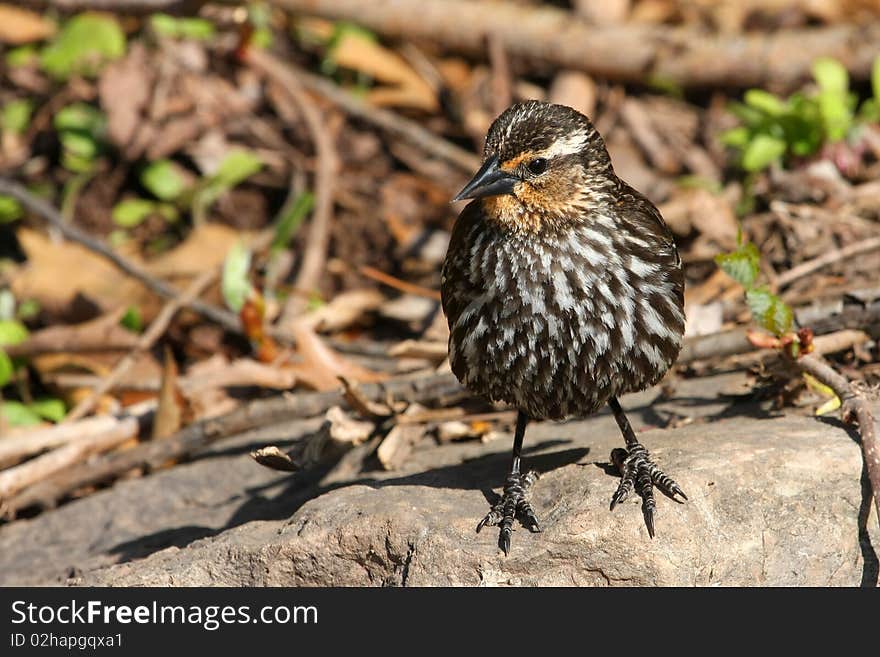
<point x="774" y="500"/>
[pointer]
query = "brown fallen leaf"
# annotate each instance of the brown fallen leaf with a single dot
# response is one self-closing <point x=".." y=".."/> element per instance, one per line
<point x="169" y="412"/>
<point x="55" y="272"/>
<point x="219" y="372"/>
<point x="345" y="310"/>
<point x="19" y="26"/>
<point x="398" y="444"/>
<point x="101" y="334"/>
<point x="272" y="457"/>
<point x="321" y="366"/>
<point x="124" y="89"/>
<point x="403" y="86"/>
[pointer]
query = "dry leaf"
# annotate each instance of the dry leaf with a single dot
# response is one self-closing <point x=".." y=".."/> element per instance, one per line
<point x="404" y="87"/>
<point x="398" y="444"/>
<point x="19" y="26"/>
<point x="169" y="413"/>
<point x="124" y="89"/>
<point x="55" y="272"/>
<point x="274" y="458"/>
<point x="322" y="366"/>
<point x="344" y="310"/>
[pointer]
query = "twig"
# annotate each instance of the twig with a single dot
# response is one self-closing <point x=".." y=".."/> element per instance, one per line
<point x="42" y="467"/>
<point x="855" y="405"/>
<point x="44" y="209"/>
<point x="808" y="267"/>
<point x="312" y="267"/>
<point x="439" y="389"/>
<point x="397" y="284"/>
<point x="390" y="122"/>
<point x="627" y="52"/>
<point x="147" y="339"/>
<point x="14" y="449"/>
<point x="736" y="341"/>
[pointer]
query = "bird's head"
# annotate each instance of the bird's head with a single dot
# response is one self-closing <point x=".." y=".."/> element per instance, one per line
<point x="543" y="163"/>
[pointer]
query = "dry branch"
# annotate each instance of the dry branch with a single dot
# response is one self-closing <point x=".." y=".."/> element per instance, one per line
<point x="440" y="389"/>
<point x="45" y="210"/>
<point x="856" y="404"/>
<point x="390" y="122"/>
<point x="630" y="53"/>
<point x="42" y="467"/>
<point x="315" y="257"/>
<point x="808" y="267"/>
<point x="14" y="449"/>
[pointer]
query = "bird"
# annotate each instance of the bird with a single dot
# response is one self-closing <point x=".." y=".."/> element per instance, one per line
<point x="563" y="289"/>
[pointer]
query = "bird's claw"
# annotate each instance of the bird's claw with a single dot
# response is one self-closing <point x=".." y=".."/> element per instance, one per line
<point x="513" y="504"/>
<point x="638" y="472"/>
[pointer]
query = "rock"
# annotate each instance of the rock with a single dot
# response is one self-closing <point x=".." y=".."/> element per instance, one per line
<point x="773" y="501"/>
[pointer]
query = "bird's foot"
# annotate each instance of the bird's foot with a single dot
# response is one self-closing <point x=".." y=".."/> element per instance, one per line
<point x="638" y="472"/>
<point x="513" y="504"/>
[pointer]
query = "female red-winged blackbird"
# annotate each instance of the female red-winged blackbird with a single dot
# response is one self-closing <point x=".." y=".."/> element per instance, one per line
<point x="563" y="289"/>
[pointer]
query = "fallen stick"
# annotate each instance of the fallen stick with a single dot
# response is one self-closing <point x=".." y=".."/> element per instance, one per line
<point x="14" y="449"/>
<point x="315" y="254"/>
<point x="736" y="341"/>
<point x="40" y="468"/>
<point x="390" y="122"/>
<point x="856" y="405"/>
<point x="440" y="389"/>
<point x="808" y="267"/>
<point x="627" y="52"/>
<point x="48" y="212"/>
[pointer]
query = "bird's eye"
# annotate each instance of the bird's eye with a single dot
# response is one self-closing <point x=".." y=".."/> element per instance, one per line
<point x="538" y="165"/>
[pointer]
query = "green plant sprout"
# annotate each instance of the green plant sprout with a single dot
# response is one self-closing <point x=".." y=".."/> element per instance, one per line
<point x="774" y="129"/>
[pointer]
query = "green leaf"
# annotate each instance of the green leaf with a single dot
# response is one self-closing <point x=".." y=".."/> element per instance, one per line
<point x="79" y="145"/>
<point x="163" y="179"/>
<point x="7" y="368"/>
<point x="741" y="265"/>
<point x="769" y="310"/>
<point x="81" y="117"/>
<point x="16" y="116"/>
<point x="85" y="42"/>
<point x="132" y="212"/>
<point x="132" y="319"/>
<point x="291" y="220"/>
<point x="831" y="75"/>
<point x="835" y="103"/>
<point x="28" y="309"/>
<point x="761" y="152"/>
<point x="235" y="284"/>
<point x="236" y="167"/>
<point x="49" y="408"/>
<point x="18" y="415"/>
<point x="22" y="56"/>
<point x="187" y="28"/>
<point x="10" y="209"/>
<point x="12" y="332"/>
<point x="738" y="137"/>
<point x="765" y="102"/>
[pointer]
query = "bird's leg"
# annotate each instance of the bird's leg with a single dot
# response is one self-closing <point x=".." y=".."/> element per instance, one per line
<point x="513" y="503"/>
<point x="638" y="471"/>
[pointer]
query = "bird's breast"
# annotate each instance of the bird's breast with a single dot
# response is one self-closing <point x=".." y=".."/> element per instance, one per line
<point x="556" y="323"/>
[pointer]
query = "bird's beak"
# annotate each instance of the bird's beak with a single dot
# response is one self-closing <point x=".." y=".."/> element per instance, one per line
<point x="490" y="180"/>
